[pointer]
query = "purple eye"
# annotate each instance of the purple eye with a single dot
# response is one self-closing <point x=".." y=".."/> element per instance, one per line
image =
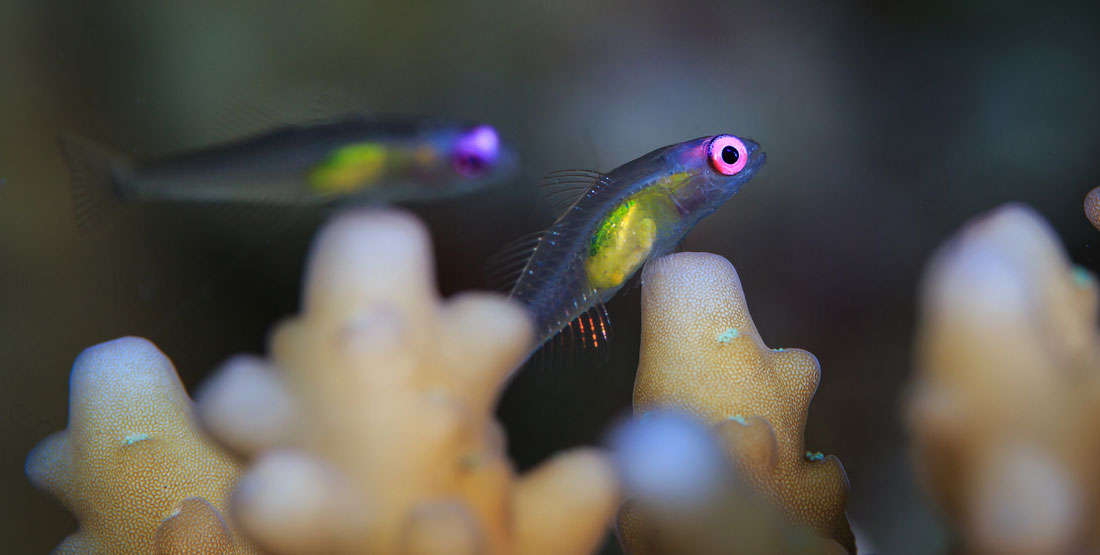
<point x="476" y="151"/>
<point x="727" y="154"/>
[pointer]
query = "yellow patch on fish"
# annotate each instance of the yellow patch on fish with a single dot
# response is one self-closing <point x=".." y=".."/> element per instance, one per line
<point x="620" y="245"/>
<point x="348" y="169"/>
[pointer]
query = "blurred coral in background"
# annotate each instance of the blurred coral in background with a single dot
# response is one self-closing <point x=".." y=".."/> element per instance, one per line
<point x="370" y="430"/>
<point x="1005" y="406"/>
<point x="370" y="427"/>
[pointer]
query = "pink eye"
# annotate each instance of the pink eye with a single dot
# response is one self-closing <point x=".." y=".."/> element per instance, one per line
<point x="727" y="154"/>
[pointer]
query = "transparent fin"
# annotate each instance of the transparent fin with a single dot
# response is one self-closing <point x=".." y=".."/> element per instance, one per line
<point x="563" y="188"/>
<point x="95" y="174"/>
<point x="502" y="270"/>
<point x="583" y="343"/>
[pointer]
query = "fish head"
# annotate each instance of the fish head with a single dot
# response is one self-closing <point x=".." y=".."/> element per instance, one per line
<point x="711" y="169"/>
<point x="474" y="156"/>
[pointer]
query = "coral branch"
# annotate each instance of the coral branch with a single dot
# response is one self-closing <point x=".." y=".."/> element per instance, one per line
<point x="701" y="353"/>
<point x="1005" y="405"/>
<point x="132" y="464"/>
<point x="383" y="395"/>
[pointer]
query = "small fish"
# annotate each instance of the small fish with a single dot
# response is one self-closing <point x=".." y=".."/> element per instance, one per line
<point x="383" y="160"/>
<point x="638" y="211"/>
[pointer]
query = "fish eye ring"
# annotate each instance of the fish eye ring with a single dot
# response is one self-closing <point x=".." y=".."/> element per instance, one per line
<point x="727" y="154"/>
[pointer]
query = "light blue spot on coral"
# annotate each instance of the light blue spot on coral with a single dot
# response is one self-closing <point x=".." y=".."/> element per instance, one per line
<point x="779" y="350"/>
<point x="738" y="419"/>
<point x="470" y="461"/>
<point x="134" y="438"/>
<point x="729" y="335"/>
<point x="1082" y="277"/>
<point x="813" y="457"/>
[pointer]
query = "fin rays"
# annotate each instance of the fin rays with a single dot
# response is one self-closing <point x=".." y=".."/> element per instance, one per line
<point x="93" y="180"/>
<point x="502" y="270"/>
<point x="583" y="342"/>
<point x="564" y="187"/>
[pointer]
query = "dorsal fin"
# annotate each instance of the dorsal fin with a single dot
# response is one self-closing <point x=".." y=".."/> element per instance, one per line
<point x="503" y="268"/>
<point x="562" y="188"/>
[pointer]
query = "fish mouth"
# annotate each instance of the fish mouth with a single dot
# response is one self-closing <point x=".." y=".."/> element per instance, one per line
<point x="757" y="157"/>
<point x="760" y="159"/>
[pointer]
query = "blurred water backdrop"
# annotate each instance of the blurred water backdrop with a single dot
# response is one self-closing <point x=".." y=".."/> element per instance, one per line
<point x="886" y="125"/>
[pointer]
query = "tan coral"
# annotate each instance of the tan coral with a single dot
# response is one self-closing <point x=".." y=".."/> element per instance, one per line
<point x="133" y="466"/>
<point x="1092" y="207"/>
<point x="702" y="353"/>
<point x="1005" y="406"/>
<point x="372" y="420"/>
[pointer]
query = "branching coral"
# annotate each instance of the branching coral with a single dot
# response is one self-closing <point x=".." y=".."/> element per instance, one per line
<point x="1092" y="207"/>
<point x="1005" y="406"/>
<point x="701" y="353"/>
<point x="132" y="465"/>
<point x="371" y="422"/>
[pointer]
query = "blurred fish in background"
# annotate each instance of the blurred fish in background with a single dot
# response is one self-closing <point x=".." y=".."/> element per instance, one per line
<point x="366" y="159"/>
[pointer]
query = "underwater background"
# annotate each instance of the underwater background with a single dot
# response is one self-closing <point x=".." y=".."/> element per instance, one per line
<point x="887" y="125"/>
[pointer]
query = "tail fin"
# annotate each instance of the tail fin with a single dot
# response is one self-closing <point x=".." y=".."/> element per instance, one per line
<point x="95" y="173"/>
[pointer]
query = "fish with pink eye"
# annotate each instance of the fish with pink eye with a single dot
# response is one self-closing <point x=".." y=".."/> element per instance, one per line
<point x="352" y="158"/>
<point x="476" y="151"/>
<point x="617" y="222"/>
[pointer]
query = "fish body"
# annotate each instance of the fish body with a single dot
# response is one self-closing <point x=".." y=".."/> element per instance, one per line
<point x="384" y="160"/>
<point x="638" y="211"/>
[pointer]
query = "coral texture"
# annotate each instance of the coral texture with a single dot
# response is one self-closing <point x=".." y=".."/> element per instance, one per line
<point x="1005" y="406"/>
<point x="370" y="424"/>
<point x="132" y="465"/>
<point x="1092" y="207"/>
<point x="701" y="354"/>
